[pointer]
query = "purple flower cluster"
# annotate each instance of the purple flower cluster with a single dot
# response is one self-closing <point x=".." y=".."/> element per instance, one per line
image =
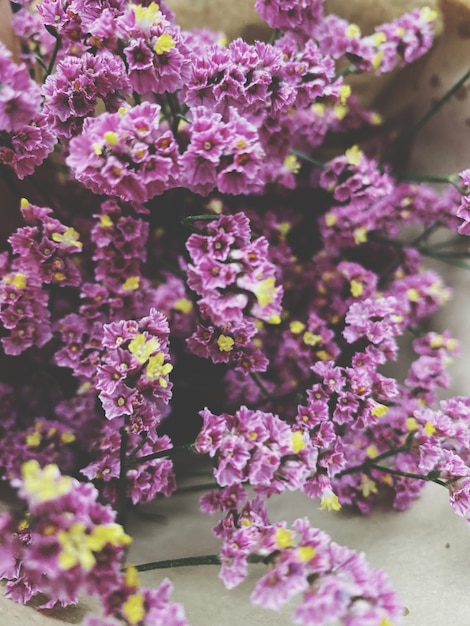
<point x="156" y="56"/>
<point x="25" y="138"/>
<point x="236" y="285"/>
<point x="70" y="542"/>
<point x="257" y="448"/>
<point x="43" y="251"/>
<point x="128" y="154"/>
<point x="302" y="561"/>
<point x="72" y="92"/>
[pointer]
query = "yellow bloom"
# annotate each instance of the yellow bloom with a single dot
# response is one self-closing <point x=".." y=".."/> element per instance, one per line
<point x="133" y="608"/>
<point x="141" y="348"/>
<point x="164" y="44"/>
<point x="157" y="369"/>
<point x="44" y="484"/>
<point x="131" y="284"/>
<point x="75" y="548"/>
<point x="306" y="553"/>
<point x="284" y="538"/>
<point x="297" y="442"/>
<point x="225" y="343"/>
<point x="265" y="292"/>
<point x="70" y="237"/>
<point x="329" y="501"/>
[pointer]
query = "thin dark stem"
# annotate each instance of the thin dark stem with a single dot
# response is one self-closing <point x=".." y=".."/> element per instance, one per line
<point x="259" y="383"/>
<point x="157" y="455"/>
<point x="138" y="448"/>
<point x="346" y="71"/>
<point x="425" y="178"/>
<point x="208" y="559"/>
<point x="122" y="481"/>
<point x="367" y="464"/>
<point x="409" y="134"/>
<point x="58" y="41"/>
<point x="174" y="111"/>
<point x="395" y="472"/>
<point x="307" y="158"/>
<point x="196" y="488"/>
<point x="427" y="232"/>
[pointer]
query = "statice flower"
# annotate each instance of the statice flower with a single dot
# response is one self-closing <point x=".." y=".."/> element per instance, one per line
<point x="20" y="97"/>
<point x="335" y="583"/>
<point x="45" y="247"/>
<point x="376" y="320"/>
<point x="393" y="44"/>
<point x="43" y="252"/>
<point x="45" y="441"/>
<point x="139" y="605"/>
<point x="73" y="91"/>
<point x="463" y="211"/>
<point x="23" y="150"/>
<point x="156" y="55"/>
<point x="25" y="139"/>
<point x="29" y="28"/>
<point x="297" y="16"/>
<point x="118" y="254"/>
<point x="236" y="284"/>
<point x="134" y="368"/>
<point x="145" y="478"/>
<point x="251" y="78"/>
<point x="258" y="448"/>
<point x="70" y="542"/>
<point x="222" y="153"/>
<point x="356" y="182"/>
<point x="131" y="154"/>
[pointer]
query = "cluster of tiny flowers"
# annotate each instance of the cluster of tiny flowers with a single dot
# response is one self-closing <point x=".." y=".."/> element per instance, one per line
<point x="258" y="448"/>
<point x="223" y="154"/>
<point x="139" y="605"/>
<point x="43" y="252"/>
<point x="463" y="212"/>
<point x="156" y="56"/>
<point x="72" y="92"/>
<point x="392" y="44"/>
<point x="335" y="582"/>
<point x="25" y="137"/>
<point x="199" y="214"/>
<point x="237" y="285"/>
<point x="133" y="387"/>
<point x="68" y="543"/>
<point x="128" y="154"/>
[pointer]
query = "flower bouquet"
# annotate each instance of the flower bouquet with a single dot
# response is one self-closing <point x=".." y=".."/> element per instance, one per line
<point x="212" y="254"/>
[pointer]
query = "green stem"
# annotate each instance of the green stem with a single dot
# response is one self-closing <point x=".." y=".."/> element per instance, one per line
<point x="346" y="71"/>
<point x="205" y="217"/>
<point x="157" y="455"/>
<point x="363" y="467"/>
<point x="428" y="178"/>
<point x="259" y="383"/>
<point x="138" y="448"/>
<point x="122" y="481"/>
<point x="173" y="105"/>
<point x="395" y="472"/>
<point x="307" y="158"/>
<point x="407" y="136"/>
<point x="58" y="41"/>
<point x="207" y="559"/>
<point x="424" y="236"/>
<point x="196" y="488"/>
